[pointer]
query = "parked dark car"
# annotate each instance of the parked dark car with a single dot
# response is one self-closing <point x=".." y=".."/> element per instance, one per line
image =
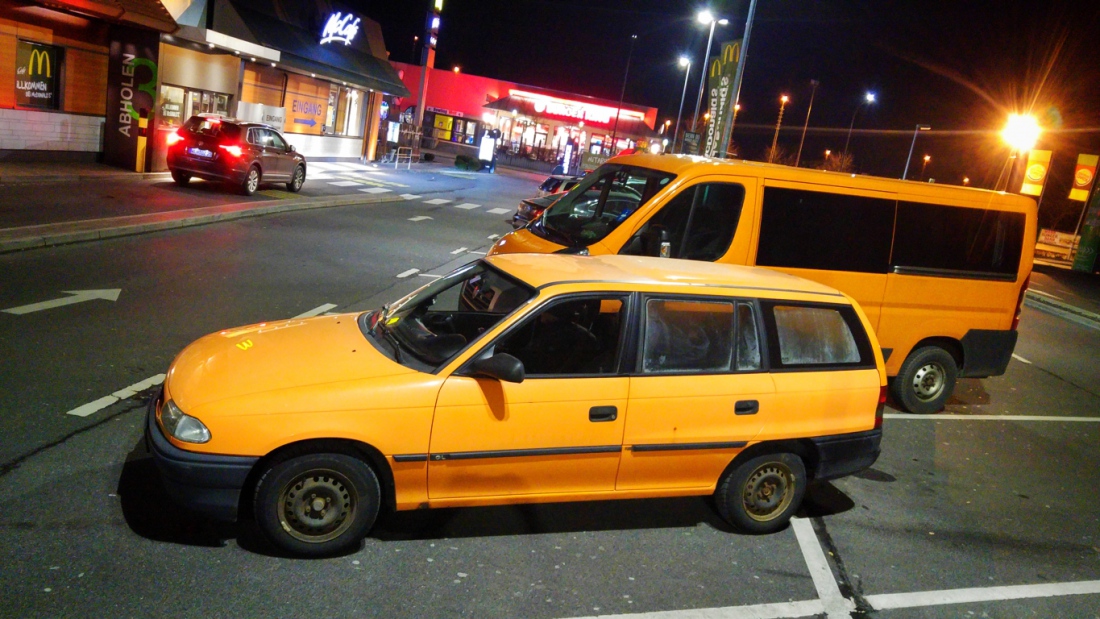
<point x="531" y="208"/>
<point x="241" y="153"/>
<point x="557" y="183"/>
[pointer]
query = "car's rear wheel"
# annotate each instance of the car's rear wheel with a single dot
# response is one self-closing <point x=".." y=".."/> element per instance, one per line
<point x="926" y="379"/>
<point x="317" y="505"/>
<point x="251" y="181"/>
<point x="296" y="181"/>
<point x="761" y="494"/>
<point x="181" y="178"/>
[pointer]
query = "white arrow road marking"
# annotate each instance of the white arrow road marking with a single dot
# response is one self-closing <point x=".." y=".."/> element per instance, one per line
<point x="79" y="296"/>
<point x="317" y="311"/>
<point x="428" y="275"/>
<point x="404" y="274"/>
<point x="492" y="237"/>
<point x="419" y="218"/>
<point x="121" y="394"/>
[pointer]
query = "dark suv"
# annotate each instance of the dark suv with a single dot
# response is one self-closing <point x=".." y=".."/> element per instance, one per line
<point x="234" y="151"/>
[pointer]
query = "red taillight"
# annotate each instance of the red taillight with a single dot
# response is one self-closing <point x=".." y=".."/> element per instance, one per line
<point x="881" y="406"/>
<point x="174" y="138"/>
<point x="1020" y="302"/>
<point x="232" y="149"/>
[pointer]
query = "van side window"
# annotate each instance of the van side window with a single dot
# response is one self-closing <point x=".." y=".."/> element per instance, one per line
<point x="832" y="232"/>
<point x="687" y="336"/>
<point x="700" y="222"/>
<point x="958" y="239"/>
<point x="815" y="336"/>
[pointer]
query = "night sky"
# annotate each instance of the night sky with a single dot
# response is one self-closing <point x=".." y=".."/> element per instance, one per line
<point x="960" y="67"/>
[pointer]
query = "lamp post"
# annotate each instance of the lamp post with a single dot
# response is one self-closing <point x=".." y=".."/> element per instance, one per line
<point x="705" y="17"/>
<point x="733" y="121"/>
<point x="813" y="90"/>
<point x="914" y="143"/>
<point x="868" y="99"/>
<point x="686" y="63"/>
<point x="924" y="165"/>
<point x="782" y="103"/>
<point x="622" y="93"/>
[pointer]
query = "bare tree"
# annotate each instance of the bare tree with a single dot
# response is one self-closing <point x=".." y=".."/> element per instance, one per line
<point x="843" y="162"/>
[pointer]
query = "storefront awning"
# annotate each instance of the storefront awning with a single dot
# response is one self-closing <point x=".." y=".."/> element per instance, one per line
<point x="524" y="106"/>
<point x="301" y="51"/>
<point x="145" y="13"/>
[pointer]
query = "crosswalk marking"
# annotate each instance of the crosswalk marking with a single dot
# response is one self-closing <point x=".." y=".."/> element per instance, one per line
<point x="320" y="177"/>
<point x="345" y="183"/>
<point x="404" y="274"/>
<point x="437" y="201"/>
<point x="499" y="211"/>
<point x="410" y="196"/>
<point x="466" y="206"/>
<point x="375" y="190"/>
<point x="419" y="218"/>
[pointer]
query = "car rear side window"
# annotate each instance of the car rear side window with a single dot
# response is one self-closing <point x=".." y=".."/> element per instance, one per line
<point x="816" y="336"/>
<point x="699" y="336"/>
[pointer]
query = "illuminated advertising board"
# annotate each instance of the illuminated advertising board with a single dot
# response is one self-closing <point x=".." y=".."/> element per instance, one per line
<point x="37" y="68"/>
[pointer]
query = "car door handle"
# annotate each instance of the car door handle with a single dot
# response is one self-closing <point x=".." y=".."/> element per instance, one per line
<point x="603" y="413"/>
<point x="746" y="407"/>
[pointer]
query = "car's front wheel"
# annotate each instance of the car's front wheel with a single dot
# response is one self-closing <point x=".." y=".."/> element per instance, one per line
<point x="181" y="178"/>
<point x="251" y="181"/>
<point x="761" y="494"/>
<point x="296" y="181"/>
<point x="317" y="505"/>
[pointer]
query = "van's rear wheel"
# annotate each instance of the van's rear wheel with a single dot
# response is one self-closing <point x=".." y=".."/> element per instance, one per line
<point x="926" y="379"/>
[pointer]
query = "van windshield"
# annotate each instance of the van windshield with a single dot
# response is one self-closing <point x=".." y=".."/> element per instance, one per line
<point x="598" y="204"/>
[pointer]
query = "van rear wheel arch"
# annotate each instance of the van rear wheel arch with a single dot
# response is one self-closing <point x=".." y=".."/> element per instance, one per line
<point x="928" y="375"/>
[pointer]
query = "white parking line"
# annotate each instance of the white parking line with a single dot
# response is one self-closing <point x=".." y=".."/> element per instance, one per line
<point x="375" y="190"/>
<point x="428" y="275"/>
<point x="1020" y="359"/>
<point x="981" y="594"/>
<point x="943" y="416"/>
<point x="836" y="605"/>
<point x="317" y="311"/>
<point x="782" y="610"/>
<point x="121" y="394"/>
<point x="404" y="274"/>
<point x="419" y="218"/>
<point x="410" y="196"/>
<point x="345" y="183"/>
<point x="1045" y="294"/>
<point x="493" y="237"/>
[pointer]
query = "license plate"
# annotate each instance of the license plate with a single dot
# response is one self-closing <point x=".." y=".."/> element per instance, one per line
<point x="200" y="152"/>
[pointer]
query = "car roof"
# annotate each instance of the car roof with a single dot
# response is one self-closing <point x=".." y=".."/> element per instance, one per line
<point x="234" y="121"/>
<point x="546" y="270"/>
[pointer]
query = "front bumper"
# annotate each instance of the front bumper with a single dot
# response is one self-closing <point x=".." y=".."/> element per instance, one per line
<point x="205" y="483"/>
<point x="845" y="454"/>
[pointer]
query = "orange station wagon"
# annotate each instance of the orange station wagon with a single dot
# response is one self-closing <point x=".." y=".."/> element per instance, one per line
<point x="521" y="379"/>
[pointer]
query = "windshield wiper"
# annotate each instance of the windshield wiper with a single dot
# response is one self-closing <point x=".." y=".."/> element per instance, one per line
<point x="392" y="339"/>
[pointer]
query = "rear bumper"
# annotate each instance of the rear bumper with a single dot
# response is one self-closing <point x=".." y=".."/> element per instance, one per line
<point x="986" y="352"/>
<point x="208" y="484"/>
<point x="211" y="170"/>
<point x="845" y="454"/>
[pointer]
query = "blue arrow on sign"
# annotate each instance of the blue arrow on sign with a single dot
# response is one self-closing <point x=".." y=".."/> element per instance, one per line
<point x="305" y="121"/>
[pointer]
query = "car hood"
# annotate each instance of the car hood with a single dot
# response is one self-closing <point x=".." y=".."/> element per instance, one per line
<point x="275" y="356"/>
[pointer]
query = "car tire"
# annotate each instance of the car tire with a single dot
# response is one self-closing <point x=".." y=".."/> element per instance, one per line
<point x="297" y="180"/>
<point x="181" y="178"/>
<point x="925" y="381"/>
<point x="317" y="505"/>
<point x="761" y="494"/>
<point x="251" y="181"/>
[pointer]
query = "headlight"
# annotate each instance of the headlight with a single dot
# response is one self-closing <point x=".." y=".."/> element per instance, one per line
<point x="182" y="426"/>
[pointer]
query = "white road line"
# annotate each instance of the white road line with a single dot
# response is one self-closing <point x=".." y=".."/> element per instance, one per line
<point x="782" y="610"/>
<point x="1045" y="294"/>
<point x="939" y="416"/>
<point x="836" y="605"/>
<point x="428" y="275"/>
<point x="375" y="190"/>
<point x="499" y="211"/>
<point x="493" y="237"/>
<point x="1020" y="359"/>
<point x="436" y="201"/>
<point x="981" y="594"/>
<point x="317" y="311"/>
<point x="479" y="253"/>
<point x="459" y="250"/>
<point x="410" y="196"/>
<point x="121" y="394"/>
<point x="467" y="206"/>
<point x="404" y="274"/>
<point x="419" y="218"/>
<point x="345" y="183"/>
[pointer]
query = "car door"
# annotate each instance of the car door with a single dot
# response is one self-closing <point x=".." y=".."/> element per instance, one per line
<point x="699" y="393"/>
<point x="559" y="432"/>
<point x="276" y="155"/>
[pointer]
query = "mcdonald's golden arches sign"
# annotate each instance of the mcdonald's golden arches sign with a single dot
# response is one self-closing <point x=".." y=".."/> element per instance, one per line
<point x="37" y="68"/>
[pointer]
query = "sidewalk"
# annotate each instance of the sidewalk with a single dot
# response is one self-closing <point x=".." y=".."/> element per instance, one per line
<point x="39" y="173"/>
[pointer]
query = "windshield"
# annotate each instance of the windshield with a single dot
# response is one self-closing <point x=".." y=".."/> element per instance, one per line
<point x="599" y="203"/>
<point x="434" y="323"/>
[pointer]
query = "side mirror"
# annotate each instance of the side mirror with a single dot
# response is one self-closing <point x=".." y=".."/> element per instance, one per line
<point x="657" y="242"/>
<point x="292" y="148"/>
<point x="500" y="366"/>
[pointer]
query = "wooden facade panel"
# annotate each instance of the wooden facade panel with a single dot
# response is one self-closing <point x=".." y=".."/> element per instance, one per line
<point x="85" y="82"/>
<point x="7" y="69"/>
<point x="263" y="85"/>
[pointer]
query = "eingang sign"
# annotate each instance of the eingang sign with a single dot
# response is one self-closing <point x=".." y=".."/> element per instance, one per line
<point x="37" y="72"/>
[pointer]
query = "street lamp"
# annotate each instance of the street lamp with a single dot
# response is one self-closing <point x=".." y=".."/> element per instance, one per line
<point x="1021" y="132"/>
<point x="686" y="63"/>
<point x="622" y="93"/>
<point x="914" y="143"/>
<point x="705" y="17"/>
<point x="868" y="99"/>
<point x="966" y="180"/>
<point x="927" y="158"/>
<point x="782" y="103"/>
<point x="805" y="126"/>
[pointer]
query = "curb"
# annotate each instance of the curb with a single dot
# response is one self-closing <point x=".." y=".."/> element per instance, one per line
<point x="44" y="179"/>
<point x="1064" y="310"/>
<point x="49" y="235"/>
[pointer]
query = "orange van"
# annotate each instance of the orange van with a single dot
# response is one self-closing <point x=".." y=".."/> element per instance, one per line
<point x="940" y="270"/>
<point x="522" y="379"/>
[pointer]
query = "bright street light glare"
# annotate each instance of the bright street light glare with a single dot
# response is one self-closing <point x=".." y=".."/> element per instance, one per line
<point x="723" y="22"/>
<point x="1021" y="132"/>
<point x="870" y="97"/>
<point x="705" y="17"/>
<point x="684" y="61"/>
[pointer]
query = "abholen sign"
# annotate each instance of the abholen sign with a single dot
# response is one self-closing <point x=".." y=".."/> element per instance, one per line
<point x="131" y="92"/>
<point x="37" y="68"/>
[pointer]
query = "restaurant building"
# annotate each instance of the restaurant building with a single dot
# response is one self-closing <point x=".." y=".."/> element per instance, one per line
<point x="534" y="121"/>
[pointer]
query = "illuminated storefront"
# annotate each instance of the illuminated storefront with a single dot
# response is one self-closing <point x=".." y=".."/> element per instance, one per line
<point x="536" y="123"/>
<point x="315" y="72"/>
